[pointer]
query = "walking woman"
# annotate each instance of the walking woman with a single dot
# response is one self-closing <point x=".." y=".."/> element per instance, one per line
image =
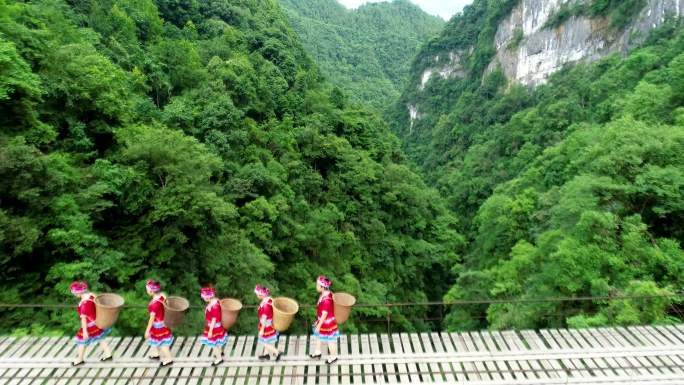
<point x="325" y="328"/>
<point x="88" y="333"/>
<point x="268" y="336"/>
<point x="157" y="334"/>
<point x="215" y="335"/>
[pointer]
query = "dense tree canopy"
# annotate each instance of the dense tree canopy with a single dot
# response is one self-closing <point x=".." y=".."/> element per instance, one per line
<point x="367" y="52"/>
<point x="194" y="142"/>
<point x="571" y="189"/>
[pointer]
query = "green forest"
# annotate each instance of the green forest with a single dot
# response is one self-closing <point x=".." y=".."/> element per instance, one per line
<point x="260" y="141"/>
<point x="194" y="143"/>
<point x="571" y="189"/>
<point x="367" y="52"/>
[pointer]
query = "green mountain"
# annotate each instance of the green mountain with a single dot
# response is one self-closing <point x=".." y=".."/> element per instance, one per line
<point x="367" y="52"/>
<point x="568" y="177"/>
<point x="194" y="142"/>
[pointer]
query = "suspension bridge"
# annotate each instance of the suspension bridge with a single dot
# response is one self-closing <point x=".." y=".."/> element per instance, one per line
<point x="618" y="355"/>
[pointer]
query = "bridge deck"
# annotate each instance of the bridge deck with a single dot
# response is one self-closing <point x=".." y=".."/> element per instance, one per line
<point x="634" y="355"/>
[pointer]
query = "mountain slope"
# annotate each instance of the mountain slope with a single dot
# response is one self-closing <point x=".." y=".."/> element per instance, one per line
<point x="195" y="143"/>
<point x="367" y="51"/>
<point x="567" y="189"/>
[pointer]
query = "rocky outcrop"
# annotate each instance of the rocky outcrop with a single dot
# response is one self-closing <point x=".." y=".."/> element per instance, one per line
<point x="528" y="51"/>
<point x="444" y="66"/>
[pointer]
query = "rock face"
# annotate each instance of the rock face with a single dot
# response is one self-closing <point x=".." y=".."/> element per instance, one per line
<point x="527" y="51"/>
<point x="445" y="66"/>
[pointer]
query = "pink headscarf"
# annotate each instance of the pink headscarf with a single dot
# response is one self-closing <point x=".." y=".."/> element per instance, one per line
<point x="153" y="286"/>
<point x="78" y="287"/>
<point x="324" y="282"/>
<point x="262" y="291"/>
<point x="207" y="292"/>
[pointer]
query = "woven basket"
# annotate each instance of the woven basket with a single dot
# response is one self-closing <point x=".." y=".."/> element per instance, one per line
<point x="230" y="309"/>
<point x="107" y="308"/>
<point x="343" y="306"/>
<point x="284" y="310"/>
<point x="175" y="308"/>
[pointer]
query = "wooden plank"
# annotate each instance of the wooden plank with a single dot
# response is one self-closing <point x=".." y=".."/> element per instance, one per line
<point x="424" y="368"/>
<point x="221" y="371"/>
<point x="115" y="344"/>
<point x="184" y="377"/>
<point x="620" y="365"/>
<point x="480" y="366"/>
<point x="276" y="371"/>
<point x="301" y="348"/>
<point x="186" y="345"/>
<point x="236" y="352"/>
<point x="434" y="367"/>
<point x="598" y="366"/>
<point x="531" y="369"/>
<point x="472" y="371"/>
<point x="492" y="346"/>
<point x="618" y="340"/>
<point x="494" y="368"/>
<point x="638" y="340"/>
<point x="378" y="368"/>
<point x="403" y="367"/>
<point x="345" y="369"/>
<point x="354" y="348"/>
<point x="368" y="368"/>
<point x="312" y="368"/>
<point x="391" y="371"/>
<point x="58" y="350"/>
<point x="676" y="338"/>
<point x="408" y="349"/>
<point x="552" y="367"/>
<point x="666" y="365"/>
<point x="447" y="371"/>
<point x="37" y="350"/>
<point x="289" y="372"/>
<point x="557" y="342"/>
<point x="248" y="351"/>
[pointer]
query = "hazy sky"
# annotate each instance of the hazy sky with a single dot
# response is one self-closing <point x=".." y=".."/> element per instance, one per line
<point x="443" y="8"/>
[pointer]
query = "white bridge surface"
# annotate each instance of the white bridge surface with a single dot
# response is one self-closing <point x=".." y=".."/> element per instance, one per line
<point x="631" y="355"/>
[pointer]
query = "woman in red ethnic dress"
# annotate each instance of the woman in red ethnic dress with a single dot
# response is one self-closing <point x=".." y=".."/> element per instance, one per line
<point x="88" y="333"/>
<point x="215" y="335"/>
<point x="157" y="334"/>
<point x="325" y="327"/>
<point x="268" y="336"/>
